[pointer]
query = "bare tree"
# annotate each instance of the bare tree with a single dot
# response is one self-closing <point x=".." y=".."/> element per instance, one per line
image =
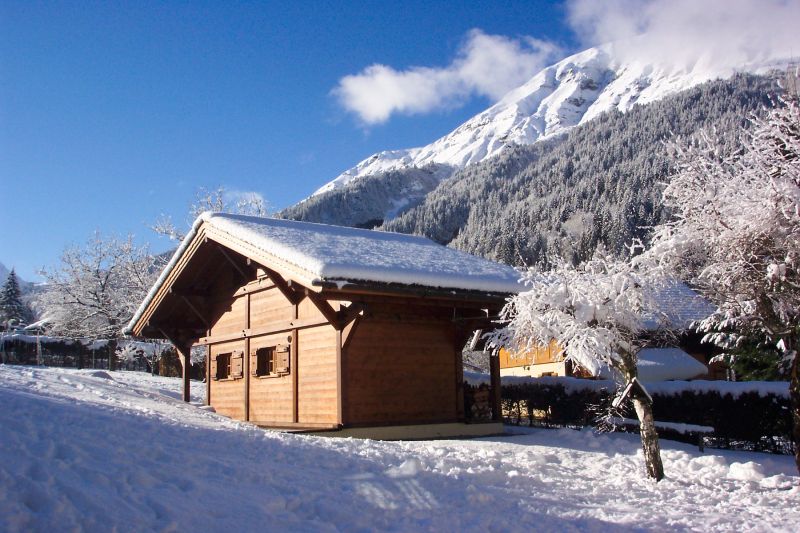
<point x="219" y="200"/>
<point x="95" y="289"/>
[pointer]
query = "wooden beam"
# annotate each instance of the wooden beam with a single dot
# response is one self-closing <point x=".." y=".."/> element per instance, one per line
<point x="324" y="307"/>
<point x="388" y="289"/>
<point x="235" y="265"/>
<point x="274" y="327"/>
<point x="254" y="287"/>
<point x="350" y="313"/>
<point x="347" y="332"/>
<point x="189" y="293"/>
<point x="286" y="287"/>
<point x="494" y="380"/>
<point x="194" y="310"/>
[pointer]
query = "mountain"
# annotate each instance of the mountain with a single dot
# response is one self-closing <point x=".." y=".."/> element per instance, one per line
<point x="600" y="184"/>
<point x="568" y="93"/>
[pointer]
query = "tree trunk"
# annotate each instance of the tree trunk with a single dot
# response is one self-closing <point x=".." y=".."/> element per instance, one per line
<point x="794" y="398"/>
<point x="647" y="428"/>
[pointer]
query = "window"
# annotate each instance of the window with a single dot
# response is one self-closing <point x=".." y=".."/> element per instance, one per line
<point x="265" y="361"/>
<point x="270" y="361"/>
<point x="227" y="366"/>
<point x="223" y="361"/>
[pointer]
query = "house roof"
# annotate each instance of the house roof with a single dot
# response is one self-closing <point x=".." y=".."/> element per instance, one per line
<point x="662" y="364"/>
<point x="320" y="254"/>
<point x="679" y="306"/>
<point x="339" y="254"/>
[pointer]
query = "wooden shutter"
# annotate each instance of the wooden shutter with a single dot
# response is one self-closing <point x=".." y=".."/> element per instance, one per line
<point x="254" y="363"/>
<point x="214" y="368"/>
<point x="237" y="364"/>
<point x="282" y="359"/>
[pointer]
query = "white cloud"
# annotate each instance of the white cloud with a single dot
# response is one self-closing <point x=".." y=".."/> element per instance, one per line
<point x="680" y="33"/>
<point x="487" y="65"/>
<point x="722" y="34"/>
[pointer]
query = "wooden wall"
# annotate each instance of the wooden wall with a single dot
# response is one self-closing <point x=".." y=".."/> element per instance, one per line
<point x="227" y="396"/>
<point x="271" y="399"/>
<point x="548" y="353"/>
<point x="401" y="370"/>
<point x="317" y="375"/>
<point x="402" y="364"/>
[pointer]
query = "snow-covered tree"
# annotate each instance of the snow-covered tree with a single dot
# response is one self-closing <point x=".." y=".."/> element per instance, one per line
<point x="218" y="200"/>
<point x="736" y="236"/>
<point x="597" y="314"/>
<point x="11" y="305"/>
<point x="96" y="289"/>
<point x="150" y="351"/>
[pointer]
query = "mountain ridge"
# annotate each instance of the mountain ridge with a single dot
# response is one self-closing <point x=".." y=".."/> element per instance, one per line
<point x="561" y="96"/>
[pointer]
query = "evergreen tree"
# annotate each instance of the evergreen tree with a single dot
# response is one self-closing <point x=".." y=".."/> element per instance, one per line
<point x="11" y="305"/>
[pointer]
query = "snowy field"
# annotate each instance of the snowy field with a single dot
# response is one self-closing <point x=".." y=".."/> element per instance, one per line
<point x="95" y="451"/>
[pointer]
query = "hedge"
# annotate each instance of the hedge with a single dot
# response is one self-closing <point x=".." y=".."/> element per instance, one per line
<point x="744" y="415"/>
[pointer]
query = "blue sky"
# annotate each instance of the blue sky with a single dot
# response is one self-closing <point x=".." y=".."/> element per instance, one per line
<point x="113" y="113"/>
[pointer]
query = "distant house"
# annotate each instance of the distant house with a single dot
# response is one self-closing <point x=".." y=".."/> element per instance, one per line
<point x="318" y="327"/>
<point x="679" y="307"/>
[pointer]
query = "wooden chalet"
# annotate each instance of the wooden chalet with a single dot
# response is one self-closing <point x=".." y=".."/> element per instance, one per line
<point x="324" y="328"/>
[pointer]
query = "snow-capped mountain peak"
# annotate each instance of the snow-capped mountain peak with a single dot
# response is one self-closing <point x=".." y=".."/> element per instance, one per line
<point x="561" y="96"/>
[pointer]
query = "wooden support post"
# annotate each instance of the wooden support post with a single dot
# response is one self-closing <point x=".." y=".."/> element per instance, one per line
<point x="246" y="362"/>
<point x="494" y="371"/>
<point x="459" y="383"/>
<point x="184" y="349"/>
<point x="208" y="375"/>
<point x="340" y="401"/>
<point x="185" y="355"/>
<point x="293" y="370"/>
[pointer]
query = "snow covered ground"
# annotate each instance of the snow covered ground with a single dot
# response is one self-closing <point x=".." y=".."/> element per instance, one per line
<point x="95" y="451"/>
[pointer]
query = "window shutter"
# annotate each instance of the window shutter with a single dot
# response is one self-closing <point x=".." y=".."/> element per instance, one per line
<point x="237" y="363"/>
<point x="214" y="368"/>
<point x="282" y="359"/>
<point x="254" y="363"/>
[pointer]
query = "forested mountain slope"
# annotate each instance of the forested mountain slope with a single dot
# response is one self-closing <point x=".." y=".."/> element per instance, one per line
<point x="599" y="183"/>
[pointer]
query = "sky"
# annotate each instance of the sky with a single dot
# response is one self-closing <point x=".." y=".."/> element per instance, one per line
<point x="115" y="113"/>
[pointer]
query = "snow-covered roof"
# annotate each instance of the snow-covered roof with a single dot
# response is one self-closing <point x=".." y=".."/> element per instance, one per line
<point x="339" y="254"/>
<point x="678" y="306"/>
<point x="662" y="364"/>
<point x="325" y="253"/>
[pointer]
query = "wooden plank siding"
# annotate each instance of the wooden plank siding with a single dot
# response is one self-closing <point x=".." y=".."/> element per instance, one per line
<point x="271" y="397"/>
<point x="309" y="393"/>
<point x="227" y="396"/>
<point x="548" y="353"/>
<point x="400" y="372"/>
<point x="316" y="375"/>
